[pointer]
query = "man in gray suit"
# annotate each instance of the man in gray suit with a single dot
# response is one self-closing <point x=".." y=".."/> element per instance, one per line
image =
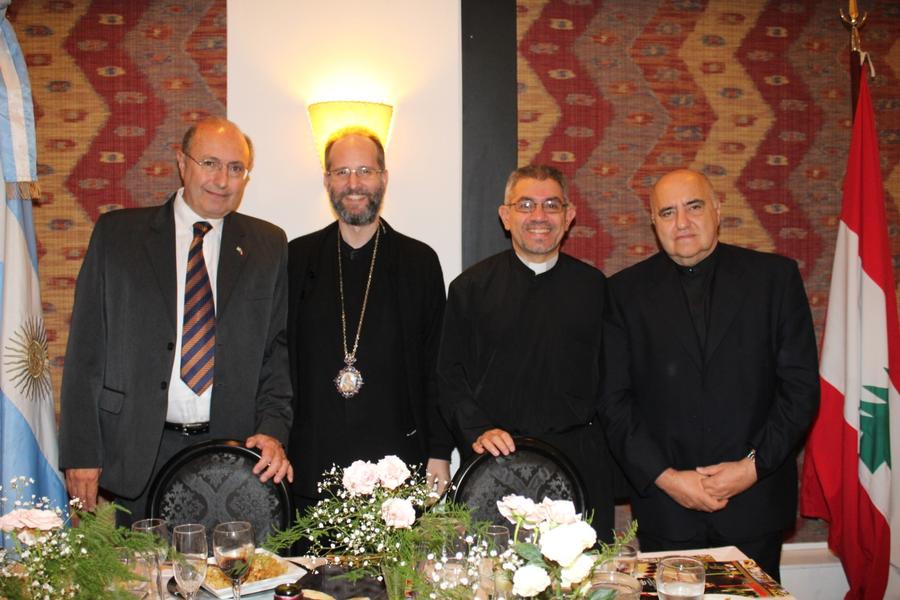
<point x="178" y="331"/>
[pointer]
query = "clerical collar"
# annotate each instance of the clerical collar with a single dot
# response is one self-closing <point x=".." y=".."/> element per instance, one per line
<point x="539" y="268"/>
<point x="702" y="268"/>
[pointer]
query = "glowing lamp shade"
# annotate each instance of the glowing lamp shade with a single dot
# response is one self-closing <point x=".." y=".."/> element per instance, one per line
<point x="326" y="118"/>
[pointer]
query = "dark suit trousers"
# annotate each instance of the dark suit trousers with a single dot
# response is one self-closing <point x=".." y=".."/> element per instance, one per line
<point x="172" y="443"/>
<point x="765" y="550"/>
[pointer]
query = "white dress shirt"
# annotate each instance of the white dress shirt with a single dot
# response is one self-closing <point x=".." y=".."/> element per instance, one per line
<point x="184" y="405"/>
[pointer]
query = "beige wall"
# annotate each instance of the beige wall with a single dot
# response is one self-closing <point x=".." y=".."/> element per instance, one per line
<point x="286" y="54"/>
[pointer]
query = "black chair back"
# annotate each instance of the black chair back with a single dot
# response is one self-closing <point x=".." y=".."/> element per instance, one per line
<point x="535" y="470"/>
<point x="213" y="482"/>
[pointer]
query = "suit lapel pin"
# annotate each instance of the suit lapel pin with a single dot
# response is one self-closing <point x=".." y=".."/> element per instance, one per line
<point x="239" y="250"/>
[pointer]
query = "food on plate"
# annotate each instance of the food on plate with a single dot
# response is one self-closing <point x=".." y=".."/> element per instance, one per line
<point x="265" y="566"/>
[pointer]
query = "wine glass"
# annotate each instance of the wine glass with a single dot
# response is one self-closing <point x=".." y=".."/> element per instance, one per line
<point x="158" y="528"/>
<point x="680" y="578"/>
<point x="234" y="545"/>
<point x="189" y="565"/>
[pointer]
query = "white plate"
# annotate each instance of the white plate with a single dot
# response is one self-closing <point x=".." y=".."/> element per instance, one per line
<point x="293" y="573"/>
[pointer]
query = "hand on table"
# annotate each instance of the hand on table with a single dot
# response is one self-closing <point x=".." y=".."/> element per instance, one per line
<point x="495" y="441"/>
<point x="84" y="485"/>
<point x="728" y="479"/>
<point x="274" y="463"/>
<point x="686" y="488"/>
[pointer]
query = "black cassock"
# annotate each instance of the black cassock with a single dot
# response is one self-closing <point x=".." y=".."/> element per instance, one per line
<point x="522" y="352"/>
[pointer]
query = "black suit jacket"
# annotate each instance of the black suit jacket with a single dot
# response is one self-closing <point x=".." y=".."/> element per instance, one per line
<point x="416" y="278"/>
<point x="667" y="404"/>
<point x="122" y="343"/>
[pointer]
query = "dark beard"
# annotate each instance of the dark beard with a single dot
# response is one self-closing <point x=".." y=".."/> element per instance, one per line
<point x="368" y="215"/>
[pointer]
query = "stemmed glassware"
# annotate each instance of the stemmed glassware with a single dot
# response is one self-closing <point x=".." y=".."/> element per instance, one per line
<point x="234" y="547"/>
<point x="158" y="528"/>
<point x="189" y="564"/>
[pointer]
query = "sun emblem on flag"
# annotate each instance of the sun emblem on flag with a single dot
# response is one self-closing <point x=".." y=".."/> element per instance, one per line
<point x="27" y="360"/>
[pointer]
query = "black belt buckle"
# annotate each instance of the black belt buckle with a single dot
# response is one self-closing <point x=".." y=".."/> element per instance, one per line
<point x="188" y="428"/>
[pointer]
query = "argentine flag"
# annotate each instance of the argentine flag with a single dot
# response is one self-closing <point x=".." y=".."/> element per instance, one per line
<point x="27" y="425"/>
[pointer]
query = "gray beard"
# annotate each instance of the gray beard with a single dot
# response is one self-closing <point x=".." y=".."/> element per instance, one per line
<point x="367" y="216"/>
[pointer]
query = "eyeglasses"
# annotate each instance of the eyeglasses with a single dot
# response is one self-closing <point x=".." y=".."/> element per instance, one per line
<point x="550" y="205"/>
<point x="214" y="165"/>
<point x="343" y="174"/>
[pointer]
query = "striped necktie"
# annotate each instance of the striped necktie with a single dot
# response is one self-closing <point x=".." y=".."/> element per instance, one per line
<point x="198" y="338"/>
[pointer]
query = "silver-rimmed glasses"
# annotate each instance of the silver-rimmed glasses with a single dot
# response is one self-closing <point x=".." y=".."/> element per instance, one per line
<point x="343" y="174"/>
<point x="529" y="205"/>
<point x="235" y="170"/>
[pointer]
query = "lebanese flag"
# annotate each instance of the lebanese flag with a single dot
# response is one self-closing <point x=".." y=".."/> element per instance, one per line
<point x="847" y="472"/>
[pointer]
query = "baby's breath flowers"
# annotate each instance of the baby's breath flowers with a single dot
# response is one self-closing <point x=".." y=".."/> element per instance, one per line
<point x="46" y="559"/>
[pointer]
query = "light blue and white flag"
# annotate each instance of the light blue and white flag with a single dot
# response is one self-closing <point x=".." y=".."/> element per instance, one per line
<point x="28" y="440"/>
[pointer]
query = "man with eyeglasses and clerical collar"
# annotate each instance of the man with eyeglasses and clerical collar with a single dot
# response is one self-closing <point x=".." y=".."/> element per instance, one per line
<point x="521" y="347"/>
<point x="364" y="319"/>
<point x="177" y="331"/>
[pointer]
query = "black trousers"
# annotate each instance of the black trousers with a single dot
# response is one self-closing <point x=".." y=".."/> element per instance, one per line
<point x="765" y="550"/>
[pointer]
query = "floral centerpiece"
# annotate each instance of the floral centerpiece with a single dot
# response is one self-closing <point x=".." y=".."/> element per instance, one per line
<point x="46" y="559"/>
<point x="558" y="558"/>
<point x="377" y="519"/>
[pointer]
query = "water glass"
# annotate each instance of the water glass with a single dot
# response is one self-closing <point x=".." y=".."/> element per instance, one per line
<point x="624" y="585"/>
<point x="234" y="546"/>
<point x="497" y="537"/>
<point x="680" y="578"/>
<point x="140" y="585"/>
<point x="623" y="562"/>
<point x="189" y="564"/>
<point x="158" y="528"/>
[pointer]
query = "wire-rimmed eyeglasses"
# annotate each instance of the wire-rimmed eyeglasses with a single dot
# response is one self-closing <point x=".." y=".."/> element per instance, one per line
<point x="234" y="170"/>
<point x="528" y="205"/>
<point x="343" y="174"/>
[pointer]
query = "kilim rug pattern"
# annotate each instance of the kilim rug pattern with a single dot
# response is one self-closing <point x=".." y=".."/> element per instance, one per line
<point x="115" y="85"/>
<point x="754" y="93"/>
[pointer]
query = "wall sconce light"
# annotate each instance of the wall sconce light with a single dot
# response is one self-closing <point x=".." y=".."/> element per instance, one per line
<point x="326" y="118"/>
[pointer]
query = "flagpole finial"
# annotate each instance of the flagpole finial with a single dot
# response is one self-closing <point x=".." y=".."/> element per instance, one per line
<point x="855" y="21"/>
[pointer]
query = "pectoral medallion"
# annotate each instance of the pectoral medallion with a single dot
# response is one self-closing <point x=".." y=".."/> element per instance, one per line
<point x="349" y="380"/>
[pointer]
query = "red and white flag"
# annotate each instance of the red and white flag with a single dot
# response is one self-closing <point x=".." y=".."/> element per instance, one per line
<point x="848" y="469"/>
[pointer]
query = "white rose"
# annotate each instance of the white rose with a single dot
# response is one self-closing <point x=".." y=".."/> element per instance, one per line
<point x="577" y="571"/>
<point x="515" y="507"/>
<point x="561" y="512"/>
<point x="530" y="581"/>
<point x="392" y="472"/>
<point x="360" y="478"/>
<point x="563" y="544"/>
<point x="398" y="513"/>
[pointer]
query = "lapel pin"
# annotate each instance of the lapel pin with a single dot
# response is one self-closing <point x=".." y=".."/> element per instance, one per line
<point x="239" y="250"/>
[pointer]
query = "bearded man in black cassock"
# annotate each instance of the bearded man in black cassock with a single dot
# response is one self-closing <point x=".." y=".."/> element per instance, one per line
<point x="521" y="346"/>
<point x="364" y="318"/>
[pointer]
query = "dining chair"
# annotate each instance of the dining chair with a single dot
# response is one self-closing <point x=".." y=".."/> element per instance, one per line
<point x="213" y="482"/>
<point x="535" y="470"/>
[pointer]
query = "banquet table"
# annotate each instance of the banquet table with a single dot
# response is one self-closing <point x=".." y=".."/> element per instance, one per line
<point x="737" y="576"/>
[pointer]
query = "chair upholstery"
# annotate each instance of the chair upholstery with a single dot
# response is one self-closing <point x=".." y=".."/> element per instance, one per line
<point x="213" y="482"/>
<point x="535" y="470"/>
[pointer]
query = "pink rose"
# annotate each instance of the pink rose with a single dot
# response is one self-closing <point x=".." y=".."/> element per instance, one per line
<point x="30" y="518"/>
<point x="392" y="472"/>
<point x="398" y="513"/>
<point x="564" y="544"/>
<point x="360" y="478"/>
<point x="45" y="520"/>
<point x="515" y="508"/>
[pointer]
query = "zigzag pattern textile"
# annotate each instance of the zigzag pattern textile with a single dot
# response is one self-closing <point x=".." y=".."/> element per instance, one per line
<point x="198" y="339"/>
